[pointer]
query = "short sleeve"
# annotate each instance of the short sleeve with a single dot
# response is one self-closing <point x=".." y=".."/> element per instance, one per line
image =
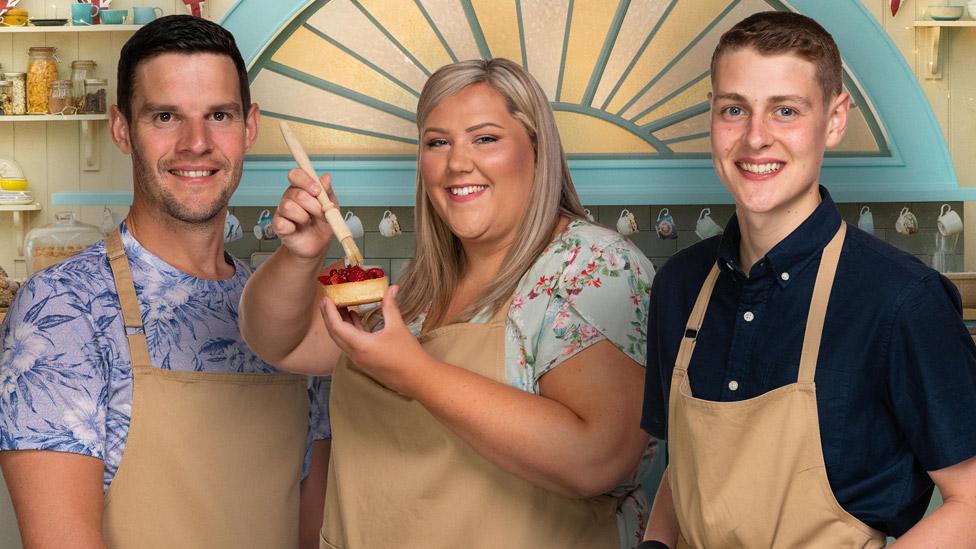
<point x="932" y="375"/>
<point x="53" y="378"/>
<point x="599" y="290"/>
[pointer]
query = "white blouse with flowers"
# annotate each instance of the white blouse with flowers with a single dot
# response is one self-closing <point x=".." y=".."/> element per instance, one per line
<point x="590" y="284"/>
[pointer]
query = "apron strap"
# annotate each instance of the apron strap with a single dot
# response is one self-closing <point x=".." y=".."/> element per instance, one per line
<point x="818" y="305"/>
<point x="131" y="316"/>
<point x="695" y="321"/>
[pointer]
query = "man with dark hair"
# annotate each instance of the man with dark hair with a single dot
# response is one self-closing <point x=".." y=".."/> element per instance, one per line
<point x="812" y="381"/>
<point x="132" y="413"/>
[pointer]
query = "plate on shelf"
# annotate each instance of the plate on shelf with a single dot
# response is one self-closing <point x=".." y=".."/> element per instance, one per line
<point x="49" y="22"/>
<point x="12" y="198"/>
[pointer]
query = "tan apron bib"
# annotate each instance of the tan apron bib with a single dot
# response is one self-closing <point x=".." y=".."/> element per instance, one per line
<point x="751" y="473"/>
<point x="212" y="460"/>
<point x="398" y="478"/>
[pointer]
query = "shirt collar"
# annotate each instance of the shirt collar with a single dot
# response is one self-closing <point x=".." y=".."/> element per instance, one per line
<point x="793" y="253"/>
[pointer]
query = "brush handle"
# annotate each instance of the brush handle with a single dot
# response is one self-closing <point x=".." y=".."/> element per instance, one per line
<point x="329" y="210"/>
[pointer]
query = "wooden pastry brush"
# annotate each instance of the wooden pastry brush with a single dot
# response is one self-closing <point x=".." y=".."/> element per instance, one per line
<point x="329" y="210"/>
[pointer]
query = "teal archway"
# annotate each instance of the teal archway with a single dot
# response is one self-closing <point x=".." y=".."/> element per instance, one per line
<point x="902" y="156"/>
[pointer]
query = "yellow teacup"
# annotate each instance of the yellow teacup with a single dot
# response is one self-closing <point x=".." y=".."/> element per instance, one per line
<point x="14" y="17"/>
<point x="13" y="184"/>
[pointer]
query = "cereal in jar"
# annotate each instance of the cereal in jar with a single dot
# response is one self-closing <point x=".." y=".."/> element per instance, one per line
<point x="42" y="71"/>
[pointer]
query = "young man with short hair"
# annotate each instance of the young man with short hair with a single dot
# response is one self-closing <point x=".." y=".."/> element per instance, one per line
<point x="812" y="381"/>
<point x="132" y="413"/>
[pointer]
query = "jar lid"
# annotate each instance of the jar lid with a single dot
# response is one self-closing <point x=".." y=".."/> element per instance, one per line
<point x="12" y="75"/>
<point x="96" y="82"/>
<point x="41" y="49"/>
<point x="6" y="83"/>
<point x="83" y="64"/>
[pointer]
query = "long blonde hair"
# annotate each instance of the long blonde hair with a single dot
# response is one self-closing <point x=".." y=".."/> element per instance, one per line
<point x="430" y="280"/>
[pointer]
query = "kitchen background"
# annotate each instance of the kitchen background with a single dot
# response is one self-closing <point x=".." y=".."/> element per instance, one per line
<point x="53" y="154"/>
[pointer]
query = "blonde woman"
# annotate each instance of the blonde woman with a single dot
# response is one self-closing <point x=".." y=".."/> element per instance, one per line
<point x="494" y="399"/>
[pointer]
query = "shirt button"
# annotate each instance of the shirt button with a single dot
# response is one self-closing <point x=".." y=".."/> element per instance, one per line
<point x="785" y="276"/>
<point x="748" y="316"/>
<point x="733" y="385"/>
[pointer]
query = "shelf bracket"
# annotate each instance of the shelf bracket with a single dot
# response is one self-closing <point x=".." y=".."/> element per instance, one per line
<point x="933" y="47"/>
<point x="90" y="159"/>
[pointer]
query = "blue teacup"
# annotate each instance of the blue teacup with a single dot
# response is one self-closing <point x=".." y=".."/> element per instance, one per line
<point x="113" y="17"/>
<point x="81" y="14"/>
<point x="144" y="14"/>
<point x="263" y="229"/>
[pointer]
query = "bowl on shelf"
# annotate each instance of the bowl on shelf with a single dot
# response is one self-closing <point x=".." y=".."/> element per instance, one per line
<point x="113" y="17"/>
<point x="945" y="12"/>
<point x="14" y="17"/>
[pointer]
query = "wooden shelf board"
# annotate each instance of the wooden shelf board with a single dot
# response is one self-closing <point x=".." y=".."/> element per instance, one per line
<point x="20" y="207"/>
<point x="51" y="117"/>
<point x="932" y="23"/>
<point x="73" y="28"/>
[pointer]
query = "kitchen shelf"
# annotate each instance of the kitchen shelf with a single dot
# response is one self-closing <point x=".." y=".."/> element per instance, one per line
<point x="933" y="41"/>
<point x="51" y="117"/>
<point x="927" y="23"/>
<point x="73" y="28"/>
<point x="20" y="228"/>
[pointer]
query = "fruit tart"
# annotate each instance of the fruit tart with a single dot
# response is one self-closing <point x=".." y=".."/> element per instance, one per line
<point x="354" y="285"/>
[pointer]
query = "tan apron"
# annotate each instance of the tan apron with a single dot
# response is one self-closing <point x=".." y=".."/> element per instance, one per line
<point x="751" y="473"/>
<point x="399" y="478"/>
<point x="212" y="459"/>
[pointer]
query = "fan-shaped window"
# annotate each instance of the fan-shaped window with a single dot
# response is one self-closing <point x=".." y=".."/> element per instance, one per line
<point x="628" y="80"/>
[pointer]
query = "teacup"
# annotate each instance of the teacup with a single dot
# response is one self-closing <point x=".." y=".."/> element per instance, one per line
<point x="706" y="227"/>
<point x="113" y="17"/>
<point x="110" y="220"/>
<point x="389" y="226"/>
<point x="355" y="225"/>
<point x="949" y="222"/>
<point x="145" y="14"/>
<point x="664" y="225"/>
<point x="907" y="223"/>
<point x="626" y="223"/>
<point x="14" y="17"/>
<point x="865" y="220"/>
<point x="262" y="229"/>
<point x="232" y="227"/>
<point x="83" y="14"/>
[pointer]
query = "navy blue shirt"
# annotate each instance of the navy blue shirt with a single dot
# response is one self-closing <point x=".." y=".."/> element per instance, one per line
<point x="896" y="376"/>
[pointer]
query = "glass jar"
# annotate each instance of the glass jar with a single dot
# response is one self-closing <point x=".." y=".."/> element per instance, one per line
<point x="42" y="71"/>
<point x="18" y="81"/>
<point x="6" y="97"/>
<point x="60" y="101"/>
<point x="95" y="100"/>
<point x="80" y="70"/>
<point x="45" y="246"/>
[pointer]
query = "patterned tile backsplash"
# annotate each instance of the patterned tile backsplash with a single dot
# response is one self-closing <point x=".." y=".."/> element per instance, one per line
<point x="392" y="254"/>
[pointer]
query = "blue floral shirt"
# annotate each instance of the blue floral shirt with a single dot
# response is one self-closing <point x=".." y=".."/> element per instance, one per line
<point x="65" y="371"/>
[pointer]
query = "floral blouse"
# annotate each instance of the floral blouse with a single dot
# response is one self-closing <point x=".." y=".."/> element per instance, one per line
<point x="590" y="284"/>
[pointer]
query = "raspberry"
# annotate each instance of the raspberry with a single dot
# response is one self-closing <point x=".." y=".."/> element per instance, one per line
<point x="324" y="280"/>
<point x="338" y="278"/>
<point x="356" y="275"/>
<point x="375" y="272"/>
